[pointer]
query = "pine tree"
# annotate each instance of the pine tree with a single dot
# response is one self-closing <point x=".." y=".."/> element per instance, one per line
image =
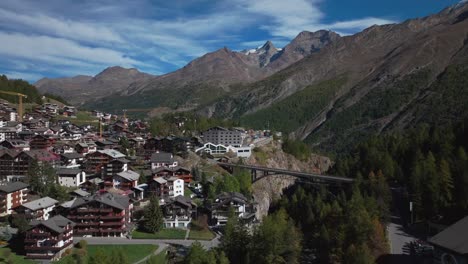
<point x="153" y="216"/>
<point x="446" y="183"/>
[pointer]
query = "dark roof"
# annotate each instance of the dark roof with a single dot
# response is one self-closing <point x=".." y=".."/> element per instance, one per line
<point x="68" y="172"/>
<point x="162" y="157"/>
<point x="55" y="223"/>
<point x="13" y="187"/>
<point x="454" y="237"/>
<point x="113" y="200"/>
<point x="72" y="155"/>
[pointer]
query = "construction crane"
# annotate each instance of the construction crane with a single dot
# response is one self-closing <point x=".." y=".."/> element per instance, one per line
<point x="20" y="103"/>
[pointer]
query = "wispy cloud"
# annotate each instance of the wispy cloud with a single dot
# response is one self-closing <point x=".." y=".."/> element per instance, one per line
<point x="65" y="37"/>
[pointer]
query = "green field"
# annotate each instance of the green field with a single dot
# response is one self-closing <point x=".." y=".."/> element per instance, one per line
<point x="134" y="253"/>
<point x="200" y="234"/>
<point x="158" y="259"/>
<point x="13" y="257"/>
<point x="166" y="233"/>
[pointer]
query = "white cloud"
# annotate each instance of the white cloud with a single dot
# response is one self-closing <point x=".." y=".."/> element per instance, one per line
<point x="56" y="50"/>
<point x="86" y="32"/>
<point x="70" y="37"/>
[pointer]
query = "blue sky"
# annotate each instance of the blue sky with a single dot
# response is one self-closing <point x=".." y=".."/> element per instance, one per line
<point x="56" y="38"/>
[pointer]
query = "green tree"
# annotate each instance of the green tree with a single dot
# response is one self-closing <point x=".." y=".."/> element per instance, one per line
<point x="153" y="217"/>
<point x="446" y="183"/>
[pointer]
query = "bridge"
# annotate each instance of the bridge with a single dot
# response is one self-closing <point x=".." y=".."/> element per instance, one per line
<point x="265" y="172"/>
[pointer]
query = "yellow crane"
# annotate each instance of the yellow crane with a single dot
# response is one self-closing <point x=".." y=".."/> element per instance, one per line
<point x="20" y="103"/>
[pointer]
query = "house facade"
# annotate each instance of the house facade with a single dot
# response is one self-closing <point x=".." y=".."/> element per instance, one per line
<point x="40" y="209"/>
<point x="12" y="195"/>
<point x="451" y="245"/>
<point x="70" y="177"/>
<point x="48" y="239"/>
<point x="100" y="215"/>
<point x="178" y="212"/>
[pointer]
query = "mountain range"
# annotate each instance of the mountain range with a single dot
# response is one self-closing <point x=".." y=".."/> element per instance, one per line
<point x="326" y="89"/>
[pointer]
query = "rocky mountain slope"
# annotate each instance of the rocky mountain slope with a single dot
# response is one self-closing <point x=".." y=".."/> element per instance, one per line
<point x="82" y="88"/>
<point x="199" y="83"/>
<point x="386" y="77"/>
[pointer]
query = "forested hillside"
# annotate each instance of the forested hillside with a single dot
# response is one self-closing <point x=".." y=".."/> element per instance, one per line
<point x="430" y="161"/>
<point x="19" y="86"/>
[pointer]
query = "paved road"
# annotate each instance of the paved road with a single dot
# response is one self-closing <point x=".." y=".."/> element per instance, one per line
<point x="399" y="239"/>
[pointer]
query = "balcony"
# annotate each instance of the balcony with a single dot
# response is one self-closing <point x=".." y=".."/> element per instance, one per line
<point x="112" y="223"/>
<point x="38" y="234"/>
<point x="102" y="230"/>
<point x="87" y="224"/>
<point x="51" y="248"/>
<point x="88" y="210"/>
<point x="85" y="217"/>
<point x="86" y="231"/>
<point x="112" y="217"/>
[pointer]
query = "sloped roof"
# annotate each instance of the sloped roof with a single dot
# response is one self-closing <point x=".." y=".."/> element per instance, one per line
<point x="129" y="175"/>
<point x="73" y="155"/>
<point x="454" y="237"/>
<point x="162" y="157"/>
<point x="112" y="153"/>
<point x="13" y="187"/>
<point x="68" y="172"/>
<point x="40" y="203"/>
<point x="55" y="223"/>
<point x="113" y="200"/>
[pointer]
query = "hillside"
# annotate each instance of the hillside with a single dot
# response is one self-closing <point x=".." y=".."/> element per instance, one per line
<point x="201" y="82"/>
<point x="82" y="88"/>
<point x="384" y="78"/>
<point x="18" y="86"/>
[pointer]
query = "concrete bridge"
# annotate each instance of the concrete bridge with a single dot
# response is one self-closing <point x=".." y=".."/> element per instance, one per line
<point x="259" y="172"/>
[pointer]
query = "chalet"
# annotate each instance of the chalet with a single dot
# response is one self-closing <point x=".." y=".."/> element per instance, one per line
<point x="159" y="187"/>
<point x="16" y="144"/>
<point x="42" y="142"/>
<point x="105" y="144"/>
<point x="71" y="160"/>
<point x="35" y="123"/>
<point x="97" y="162"/>
<point x="39" y="209"/>
<point x="227" y="201"/>
<point x="48" y="239"/>
<point x="178" y="212"/>
<point x="162" y="159"/>
<point x="18" y="163"/>
<point x="70" y="177"/>
<point x="105" y="215"/>
<point x="126" y="179"/>
<point x="12" y="195"/>
<point x="451" y="245"/>
<point x="179" y="172"/>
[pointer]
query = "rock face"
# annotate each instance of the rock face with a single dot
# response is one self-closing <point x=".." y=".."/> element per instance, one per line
<point x="269" y="189"/>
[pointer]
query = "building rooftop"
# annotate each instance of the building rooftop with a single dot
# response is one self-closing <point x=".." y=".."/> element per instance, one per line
<point x="13" y="187"/>
<point x="129" y="175"/>
<point x="454" y="237"/>
<point x="40" y="203"/>
<point x="68" y="172"/>
<point x="55" y="223"/>
<point x="162" y="157"/>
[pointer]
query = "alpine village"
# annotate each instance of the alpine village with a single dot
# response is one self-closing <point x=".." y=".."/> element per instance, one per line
<point x="333" y="149"/>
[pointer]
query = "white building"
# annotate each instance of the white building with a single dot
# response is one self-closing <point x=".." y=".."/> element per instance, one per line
<point x="71" y="177"/>
<point x="162" y="159"/>
<point x="176" y="186"/>
<point x="212" y="149"/>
